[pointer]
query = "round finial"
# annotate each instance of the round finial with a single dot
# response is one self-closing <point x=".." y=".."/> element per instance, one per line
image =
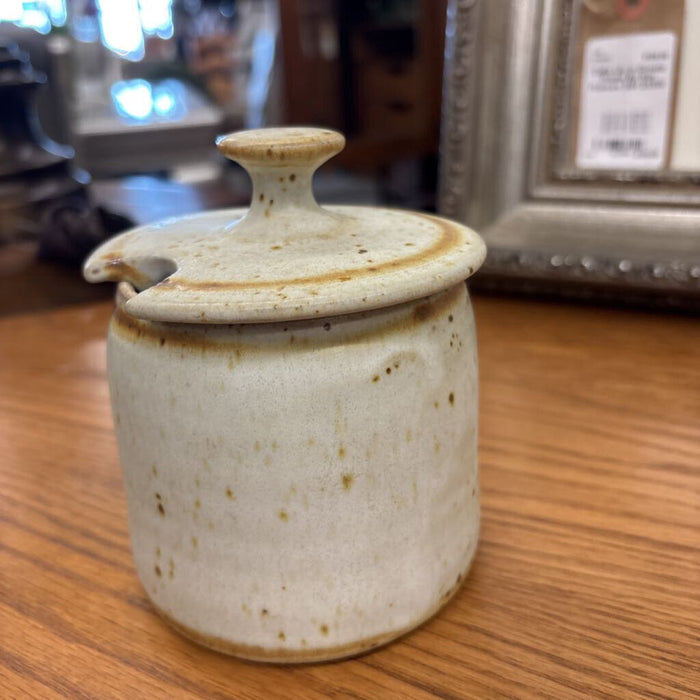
<point x="283" y="146"/>
<point x="281" y="163"/>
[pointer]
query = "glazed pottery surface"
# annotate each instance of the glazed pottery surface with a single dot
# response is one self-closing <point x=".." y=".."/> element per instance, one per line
<point x="299" y="450"/>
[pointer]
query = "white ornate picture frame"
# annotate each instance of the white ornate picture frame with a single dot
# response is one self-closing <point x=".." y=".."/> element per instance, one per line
<point x="549" y="227"/>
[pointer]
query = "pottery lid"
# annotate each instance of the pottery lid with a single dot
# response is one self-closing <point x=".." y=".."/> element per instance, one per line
<point x="286" y="257"/>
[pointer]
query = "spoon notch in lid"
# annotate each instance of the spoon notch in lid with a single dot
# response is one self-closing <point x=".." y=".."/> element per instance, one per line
<point x="286" y="257"/>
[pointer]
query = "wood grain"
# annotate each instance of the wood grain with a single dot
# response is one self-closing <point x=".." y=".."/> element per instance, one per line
<point x="586" y="583"/>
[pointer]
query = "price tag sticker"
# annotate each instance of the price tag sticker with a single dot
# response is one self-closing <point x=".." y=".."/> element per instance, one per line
<point x="626" y="90"/>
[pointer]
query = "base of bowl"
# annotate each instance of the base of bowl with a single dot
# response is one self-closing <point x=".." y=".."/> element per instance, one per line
<point x="280" y="655"/>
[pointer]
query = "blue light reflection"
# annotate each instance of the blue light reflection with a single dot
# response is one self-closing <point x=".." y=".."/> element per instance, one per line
<point x="120" y="26"/>
<point x="142" y="101"/>
<point x="157" y="17"/>
<point x="122" y="23"/>
<point x="39" y="15"/>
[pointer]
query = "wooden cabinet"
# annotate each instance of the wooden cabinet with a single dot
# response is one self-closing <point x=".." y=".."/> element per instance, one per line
<point x="371" y="69"/>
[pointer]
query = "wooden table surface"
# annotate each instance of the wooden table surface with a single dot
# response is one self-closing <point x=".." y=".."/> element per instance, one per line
<point x="587" y="579"/>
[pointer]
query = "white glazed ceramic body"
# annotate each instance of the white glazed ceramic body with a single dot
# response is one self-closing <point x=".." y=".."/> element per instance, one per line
<point x="302" y="490"/>
<point x="295" y="401"/>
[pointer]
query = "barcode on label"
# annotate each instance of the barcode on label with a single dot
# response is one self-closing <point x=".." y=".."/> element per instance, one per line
<point x="625" y="123"/>
<point x="619" y="146"/>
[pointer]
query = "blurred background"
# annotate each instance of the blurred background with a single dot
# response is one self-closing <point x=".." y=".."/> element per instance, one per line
<point x="109" y="110"/>
<point x="130" y="95"/>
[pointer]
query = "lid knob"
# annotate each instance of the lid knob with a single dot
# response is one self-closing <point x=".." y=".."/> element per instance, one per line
<point x="282" y="146"/>
<point x="281" y="163"/>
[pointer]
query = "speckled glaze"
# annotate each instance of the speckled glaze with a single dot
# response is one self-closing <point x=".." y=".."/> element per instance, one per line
<point x="304" y="488"/>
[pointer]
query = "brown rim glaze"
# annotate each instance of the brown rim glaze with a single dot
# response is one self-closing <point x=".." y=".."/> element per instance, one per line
<point x="181" y="335"/>
<point x="450" y="235"/>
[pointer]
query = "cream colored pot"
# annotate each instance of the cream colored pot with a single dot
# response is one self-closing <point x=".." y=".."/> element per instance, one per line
<point x="295" y="401"/>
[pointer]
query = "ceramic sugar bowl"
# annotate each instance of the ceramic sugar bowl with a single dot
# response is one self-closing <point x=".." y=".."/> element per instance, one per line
<point x="294" y="392"/>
